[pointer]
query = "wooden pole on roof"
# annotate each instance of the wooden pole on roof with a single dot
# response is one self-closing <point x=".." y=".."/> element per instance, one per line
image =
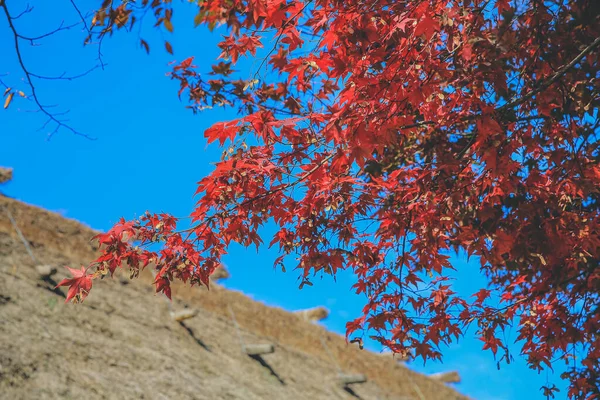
<point x="252" y="350"/>
<point x="349" y="379"/>
<point x="184" y="314"/>
<point x="259" y="349"/>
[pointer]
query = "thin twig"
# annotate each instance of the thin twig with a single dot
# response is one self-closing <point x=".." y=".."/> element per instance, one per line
<point x="27" y="9"/>
<point x="63" y="76"/>
<point x="283" y="26"/>
<point x="61" y="27"/>
<point x="85" y="25"/>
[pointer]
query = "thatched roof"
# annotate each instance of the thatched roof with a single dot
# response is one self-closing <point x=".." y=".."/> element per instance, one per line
<point x="5" y="174"/>
<point x="123" y="341"/>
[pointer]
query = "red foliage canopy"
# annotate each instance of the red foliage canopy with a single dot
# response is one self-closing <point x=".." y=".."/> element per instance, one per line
<point x="381" y="136"/>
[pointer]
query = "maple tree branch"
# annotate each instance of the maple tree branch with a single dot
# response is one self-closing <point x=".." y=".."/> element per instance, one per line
<point x="516" y="102"/>
<point x="284" y="25"/>
<point x="291" y="184"/>
<point x="261" y="196"/>
<point x="555" y="77"/>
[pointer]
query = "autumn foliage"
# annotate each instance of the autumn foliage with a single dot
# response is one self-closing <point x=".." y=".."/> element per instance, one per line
<point x="384" y="136"/>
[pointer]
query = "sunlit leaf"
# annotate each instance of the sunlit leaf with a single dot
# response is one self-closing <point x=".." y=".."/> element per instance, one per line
<point x="168" y="47"/>
<point x="8" y="100"/>
<point x="168" y="25"/>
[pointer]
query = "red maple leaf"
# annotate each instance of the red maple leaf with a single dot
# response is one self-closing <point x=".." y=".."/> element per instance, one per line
<point x="79" y="285"/>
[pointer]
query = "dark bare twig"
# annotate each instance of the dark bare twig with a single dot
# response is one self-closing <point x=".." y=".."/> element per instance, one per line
<point x="88" y="29"/>
<point x="61" y="27"/>
<point x="63" y="76"/>
<point x="83" y="18"/>
<point x="27" y="9"/>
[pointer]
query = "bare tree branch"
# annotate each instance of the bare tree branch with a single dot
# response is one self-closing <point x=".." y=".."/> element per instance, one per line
<point x="61" y="27"/>
<point x="27" y="9"/>
<point x="88" y="29"/>
<point x="29" y="76"/>
<point x="64" y="76"/>
<point x="85" y="25"/>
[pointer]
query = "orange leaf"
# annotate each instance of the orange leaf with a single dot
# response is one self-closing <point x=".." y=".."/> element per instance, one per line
<point x="169" y="47"/>
<point x="167" y="23"/>
<point x="79" y="285"/>
<point x="8" y="100"/>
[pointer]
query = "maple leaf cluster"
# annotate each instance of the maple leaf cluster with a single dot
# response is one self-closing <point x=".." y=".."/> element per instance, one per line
<point x="384" y="136"/>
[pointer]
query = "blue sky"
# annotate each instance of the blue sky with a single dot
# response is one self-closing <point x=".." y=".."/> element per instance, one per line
<point x="149" y="154"/>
